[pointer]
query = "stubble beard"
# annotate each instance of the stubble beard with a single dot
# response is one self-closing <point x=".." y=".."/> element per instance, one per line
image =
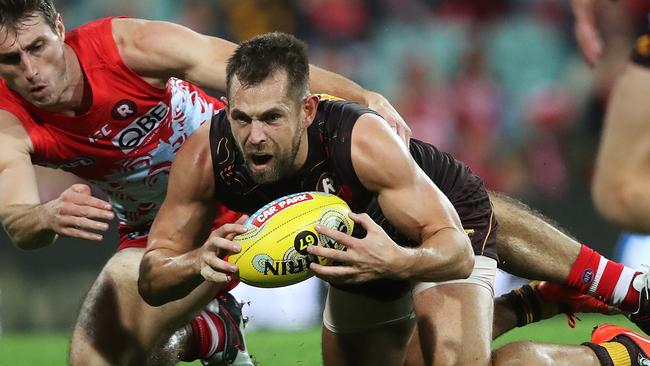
<point x="281" y="166"/>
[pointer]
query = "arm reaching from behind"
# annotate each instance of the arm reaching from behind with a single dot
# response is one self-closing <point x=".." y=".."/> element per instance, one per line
<point x="30" y="223"/>
<point x="323" y="81"/>
<point x="160" y="50"/>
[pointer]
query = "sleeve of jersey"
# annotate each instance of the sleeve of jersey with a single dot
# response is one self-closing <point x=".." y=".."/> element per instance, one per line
<point x="641" y="51"/>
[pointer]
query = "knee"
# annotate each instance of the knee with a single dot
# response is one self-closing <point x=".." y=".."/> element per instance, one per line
<point x="513" y="354"/>
<point x="617" y="201"/>
<point x="107" y="326"/>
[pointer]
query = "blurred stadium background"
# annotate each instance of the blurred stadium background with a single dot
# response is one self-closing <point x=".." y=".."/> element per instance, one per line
<point x="499" y="83"/>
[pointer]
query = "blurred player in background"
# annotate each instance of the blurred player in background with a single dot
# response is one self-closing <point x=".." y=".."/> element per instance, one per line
<point x="622" y="173"/>
<point x="275" y="139"/>
<point x="107" y="103"/>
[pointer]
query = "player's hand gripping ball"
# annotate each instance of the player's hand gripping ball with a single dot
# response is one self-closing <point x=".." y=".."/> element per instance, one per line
<point x="274" y="249"/>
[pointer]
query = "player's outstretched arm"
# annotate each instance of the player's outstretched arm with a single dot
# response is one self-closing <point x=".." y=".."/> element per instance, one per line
<point x="182" y="253"/>
<point x="159" y="50"/>
<point x="412" y="203"/>
<point x="30" y="223"/>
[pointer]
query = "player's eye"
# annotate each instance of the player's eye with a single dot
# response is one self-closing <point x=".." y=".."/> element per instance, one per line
<point x="273" y="117"/>
<point x="37" y="47"/>
<point x="240" y="118"/>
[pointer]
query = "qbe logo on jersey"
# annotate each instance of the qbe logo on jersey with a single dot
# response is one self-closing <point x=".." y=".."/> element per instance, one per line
<point x="134" y="134"/>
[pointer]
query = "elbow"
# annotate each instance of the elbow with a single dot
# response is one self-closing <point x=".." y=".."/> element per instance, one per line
<point x="620" y="203"/>
<point x="465" y="262"/>
<point x="146" y="287"/>
<point x="149" y="296"/>
<point x="461" y="259"/>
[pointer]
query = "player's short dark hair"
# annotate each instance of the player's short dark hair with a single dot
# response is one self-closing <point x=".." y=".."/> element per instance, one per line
<point x="255" y="59"/>
<point x="14" y="12"/>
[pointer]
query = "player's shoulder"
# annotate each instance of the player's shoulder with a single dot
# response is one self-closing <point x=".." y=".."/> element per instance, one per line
<point x="137" y="32"/>
<point x="125" y="29"/>
<point x="370" y="129"/>
<point x="125" y="24"/>
<point x="379" y="157"/>
<point x="90" y="30"/>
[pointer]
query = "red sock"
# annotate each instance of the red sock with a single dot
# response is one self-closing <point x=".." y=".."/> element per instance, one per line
<point x="207" y="336"/>
<point x="608" y="281"/>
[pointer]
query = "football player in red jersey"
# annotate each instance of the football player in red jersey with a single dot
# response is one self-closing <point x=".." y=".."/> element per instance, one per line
<point x="111" y="102"/>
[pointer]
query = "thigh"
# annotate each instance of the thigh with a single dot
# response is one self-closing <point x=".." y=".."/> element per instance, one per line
<point x="452" y="315"/>
<point x="362" y="331"/>
<point x="454" y="324"/>
<point x="115" y="326"/>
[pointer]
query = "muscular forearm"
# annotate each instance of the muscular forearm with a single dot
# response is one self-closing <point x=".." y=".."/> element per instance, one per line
<point x="28" y="226"/>
<point x="446" y="255"/>
<point x="167" y="276"/>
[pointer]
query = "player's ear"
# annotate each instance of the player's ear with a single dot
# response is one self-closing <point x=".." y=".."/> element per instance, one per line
<point x="310" y="106"/>
<point x="60" y="27"/>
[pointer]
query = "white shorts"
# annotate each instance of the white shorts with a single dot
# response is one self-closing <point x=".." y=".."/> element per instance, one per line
<point x="346" y="312"/>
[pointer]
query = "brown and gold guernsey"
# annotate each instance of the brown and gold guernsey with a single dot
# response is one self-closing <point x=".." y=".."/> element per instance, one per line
<point x="328" y="168"/>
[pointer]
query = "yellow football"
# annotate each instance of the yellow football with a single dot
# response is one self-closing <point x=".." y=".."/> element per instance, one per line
<point x="274" y="248"/>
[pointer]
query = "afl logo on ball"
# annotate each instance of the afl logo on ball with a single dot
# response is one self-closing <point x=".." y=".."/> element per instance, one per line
<point x="124" y="109"/>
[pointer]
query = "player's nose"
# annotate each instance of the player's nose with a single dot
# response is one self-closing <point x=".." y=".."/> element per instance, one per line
<point x="258" y="133"/>
<point x="29" y="67"/>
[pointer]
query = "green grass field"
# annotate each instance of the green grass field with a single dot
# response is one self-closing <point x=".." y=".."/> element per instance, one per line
<point x="286" y="348"/>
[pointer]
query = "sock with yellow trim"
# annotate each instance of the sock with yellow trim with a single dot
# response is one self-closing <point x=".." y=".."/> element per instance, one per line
<point x="622" y="351"/>
<point x="526" y="305"/>
<point x="610" y="353"/>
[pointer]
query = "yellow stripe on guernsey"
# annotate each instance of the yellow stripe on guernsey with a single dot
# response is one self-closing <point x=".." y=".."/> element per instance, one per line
<point x="619" y="354"/>
<point x="328" y="97"/>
